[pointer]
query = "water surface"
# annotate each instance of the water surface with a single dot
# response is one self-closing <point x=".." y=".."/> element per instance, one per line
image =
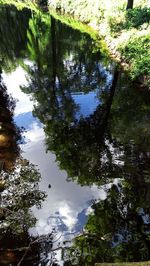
<point x="74" y="149"/>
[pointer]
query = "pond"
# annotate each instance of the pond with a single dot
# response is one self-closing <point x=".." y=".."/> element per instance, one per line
<point x="74" y="149"/>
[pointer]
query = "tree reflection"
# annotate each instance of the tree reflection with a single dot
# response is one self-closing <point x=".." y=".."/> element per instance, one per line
<point x="9" y="133"/>
<point x="59" y="71"/>
<point x="13" y="31"/>
<point x="20" y="194"/>
<point x="19" y="190"/>
<point x="118" y="230"/>
<point x="108" y="145"/>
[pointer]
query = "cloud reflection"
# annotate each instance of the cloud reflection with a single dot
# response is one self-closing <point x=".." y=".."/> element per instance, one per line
<point x="67" y="205"/>
<point x="63" y="208"/>
<point x="35" y="133"/>
<point x="13" y="82"/>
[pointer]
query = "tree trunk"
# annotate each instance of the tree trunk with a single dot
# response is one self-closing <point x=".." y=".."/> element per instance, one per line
<point x="54" y="50"/>
<point x="129" y="4"/>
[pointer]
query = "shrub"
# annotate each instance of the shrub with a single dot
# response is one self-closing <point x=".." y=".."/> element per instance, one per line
<point x="137" y="54"/>
<point x="137" y="16"/>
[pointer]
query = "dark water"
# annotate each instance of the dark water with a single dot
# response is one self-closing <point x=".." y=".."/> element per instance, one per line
<point x="74" y="149"/>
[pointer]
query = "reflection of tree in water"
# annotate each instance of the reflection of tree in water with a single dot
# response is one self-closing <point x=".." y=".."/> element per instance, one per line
<point x="55" y="74"/>
<point x="77" y="143"/>
<point x="13" y="31"/>
<point x="9" y="133"/>
<point x="62" y="66"/>
<point x="19" y="192"/>
<point x="69" y="67"/>
<point x="100" y="148"/>
<point x="118" y="230"/>
<point x="111" y="143"/>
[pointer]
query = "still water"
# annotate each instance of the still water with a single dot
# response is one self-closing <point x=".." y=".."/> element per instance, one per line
<point x="74" y="149"/>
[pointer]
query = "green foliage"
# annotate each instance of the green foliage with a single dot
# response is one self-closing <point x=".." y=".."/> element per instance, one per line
<point x="132" y="18"/>
<point x="116" y="24"/>
<point x="137" y="53"/>
<point x="85" y="10"/>
<point x="20" y="4"/>
<point x="137" y="16"/>
<point x="80" y="154"/>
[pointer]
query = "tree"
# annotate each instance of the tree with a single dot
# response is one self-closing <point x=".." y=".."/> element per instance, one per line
<point x="130" y="4"/>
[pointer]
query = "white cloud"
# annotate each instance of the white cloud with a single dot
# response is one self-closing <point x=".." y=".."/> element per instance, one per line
<point x="35" y="134"/>
<point x="89" y="211"/>
<point x="99" y="193"/>
<point x="13" y="81"/>
<point x="68" y="216"/>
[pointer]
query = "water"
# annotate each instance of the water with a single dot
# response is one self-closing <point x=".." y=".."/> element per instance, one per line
<point x="74" y="149"/>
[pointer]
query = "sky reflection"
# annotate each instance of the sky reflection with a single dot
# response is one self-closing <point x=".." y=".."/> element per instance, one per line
<point x="67" y="205"/>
